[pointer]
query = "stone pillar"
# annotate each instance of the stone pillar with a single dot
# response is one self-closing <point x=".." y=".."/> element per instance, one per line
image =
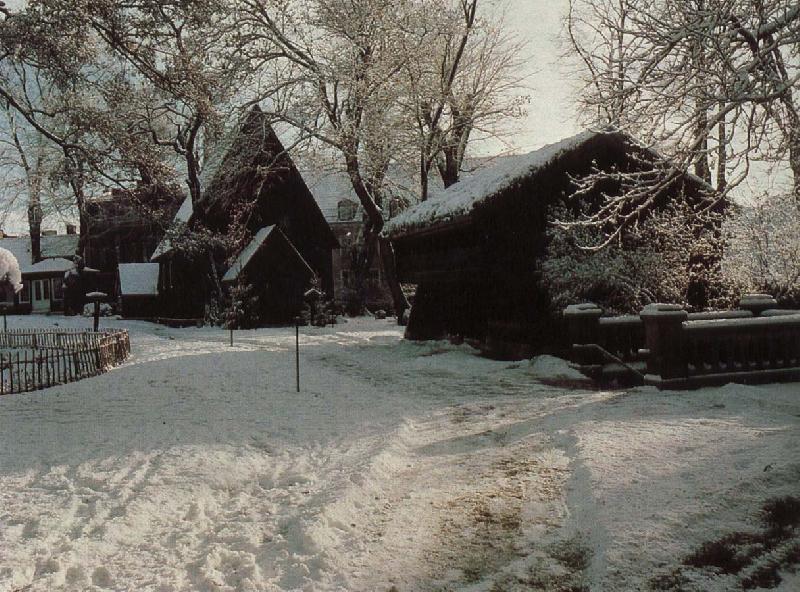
<point x="583" y="328"/>
<point x="664" y="338"/>
<point x="757" y="303"/>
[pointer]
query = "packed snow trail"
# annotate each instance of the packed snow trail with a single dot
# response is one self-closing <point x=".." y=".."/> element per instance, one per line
<point x="400" y="466"/>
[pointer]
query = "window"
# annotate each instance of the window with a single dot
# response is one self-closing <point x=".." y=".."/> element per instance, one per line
<point x="25" y="294"/>
<point x="37" y="290"/>
<point x="46" y="286"/>
<point x="347" y="210"/>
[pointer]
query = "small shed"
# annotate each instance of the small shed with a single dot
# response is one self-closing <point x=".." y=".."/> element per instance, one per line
<point x="474" y="249"/>
<point x="43" y="285"/>
<point x="138" y="289"/>
<point x="42" y="282"/>
<point x="276" y="270"/>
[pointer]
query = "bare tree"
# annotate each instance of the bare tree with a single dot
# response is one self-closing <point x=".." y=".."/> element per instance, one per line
<point x="340" y="68"/>
<point x="381" y="81"/>
<point x="704" y="81"/>
<point x="465" y="80"/>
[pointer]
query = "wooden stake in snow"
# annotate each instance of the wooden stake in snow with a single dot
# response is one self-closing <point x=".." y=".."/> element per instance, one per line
<point x="297" y="350"/>
<point x="96" y="297"/>
<point x="4" y="306"/>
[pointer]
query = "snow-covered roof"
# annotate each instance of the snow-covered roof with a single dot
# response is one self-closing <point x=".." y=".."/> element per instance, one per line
<point x="60" y="245"/>
<point x="460" y="199"/>
<point x="49" y="265"/>
<point x="246" y="255"/>
<point x="329" y="187"/>
<point x="138" y="279"/>
<point x="182" y="216"/>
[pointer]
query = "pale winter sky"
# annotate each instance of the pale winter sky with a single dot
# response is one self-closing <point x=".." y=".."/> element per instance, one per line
<point x="551" y="114"/>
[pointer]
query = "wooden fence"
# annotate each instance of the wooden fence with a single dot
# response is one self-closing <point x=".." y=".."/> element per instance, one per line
<point x="45" y="358"/>
<point x="668" y="347"/>
<point x="607" y="348"/>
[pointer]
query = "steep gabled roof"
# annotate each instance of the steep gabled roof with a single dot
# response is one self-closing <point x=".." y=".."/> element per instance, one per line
<point x="248" y="163"/>
<point x="182" y="219"/>
<point x="262" y="240"/>
<point x="458" y="201"/>
<point x="138" y="279"/>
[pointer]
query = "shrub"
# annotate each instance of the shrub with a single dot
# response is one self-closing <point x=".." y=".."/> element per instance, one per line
<point x="672" y="256"/>
<point x="762" y="248"/>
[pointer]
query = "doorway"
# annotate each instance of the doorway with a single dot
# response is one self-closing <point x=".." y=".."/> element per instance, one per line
<point x="40" y="295"/>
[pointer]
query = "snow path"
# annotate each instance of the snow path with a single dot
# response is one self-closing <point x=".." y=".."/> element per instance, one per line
<point x="400" y="466"/>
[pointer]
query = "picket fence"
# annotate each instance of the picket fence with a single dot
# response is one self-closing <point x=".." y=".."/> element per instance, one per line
<point x="43" y="357"/>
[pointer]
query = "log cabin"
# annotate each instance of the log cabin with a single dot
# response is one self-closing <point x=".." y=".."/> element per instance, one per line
<point x="474" y="249"/>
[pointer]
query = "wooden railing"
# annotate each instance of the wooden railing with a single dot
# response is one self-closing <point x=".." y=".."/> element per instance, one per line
<point x="39" y="358"/>
<point x="668" y="347"/>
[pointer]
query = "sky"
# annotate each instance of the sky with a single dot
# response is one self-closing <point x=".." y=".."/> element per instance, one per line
<point x="551" y="113"/>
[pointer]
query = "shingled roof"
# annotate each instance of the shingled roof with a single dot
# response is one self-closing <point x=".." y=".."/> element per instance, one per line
<point x="456" y="203"/>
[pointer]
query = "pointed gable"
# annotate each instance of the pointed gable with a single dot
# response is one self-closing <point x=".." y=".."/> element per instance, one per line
<point x="252" y="165"/>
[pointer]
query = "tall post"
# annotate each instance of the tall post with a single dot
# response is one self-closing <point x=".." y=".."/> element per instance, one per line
<point x="583" y="329"/>
<point x="5" y="306"/>
<point x="96" y="297"/>
<point x="663" y="326"/>
<point x="297" y="350"/>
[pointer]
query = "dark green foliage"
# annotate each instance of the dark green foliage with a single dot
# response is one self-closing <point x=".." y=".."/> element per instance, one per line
<point x="242" y="309"/>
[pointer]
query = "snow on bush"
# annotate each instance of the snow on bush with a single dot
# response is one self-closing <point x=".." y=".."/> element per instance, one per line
<point x="106" y="310"/>
<point x="762" y="248"/>
<point x="9" y="270"/>
<point x="669" y="257"/>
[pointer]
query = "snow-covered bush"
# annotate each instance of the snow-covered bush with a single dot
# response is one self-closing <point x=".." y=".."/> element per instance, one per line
<point x="672" y="256"/>
<point x="242" y="310"/>
<point x="238" y="308"/>
<point x="106" y="310"/>
<point x="762" y="248"/>
<point x="10" y="274"/>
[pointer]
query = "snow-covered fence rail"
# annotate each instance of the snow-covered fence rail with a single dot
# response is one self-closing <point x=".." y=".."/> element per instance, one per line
<point x="612" y="347"/>
<point x="36" y="359"/>
<point x="685" y="353"/>
<point x="678" y="349"/>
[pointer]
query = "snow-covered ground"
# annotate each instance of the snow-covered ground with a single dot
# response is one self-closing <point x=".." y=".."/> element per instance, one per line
<point x="398" y="467"/>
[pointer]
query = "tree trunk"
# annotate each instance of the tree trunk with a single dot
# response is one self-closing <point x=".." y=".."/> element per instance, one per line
<point x="450" y="166"/>
<point x="794" y="162"/>
<point x="701" y="166"/>
<point x="722" y="157"/>
<point x="35" y="226"/>
<point x="372" y="232"/>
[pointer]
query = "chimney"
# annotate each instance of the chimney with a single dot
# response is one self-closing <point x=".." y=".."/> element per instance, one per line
<point x="71" y="229"/>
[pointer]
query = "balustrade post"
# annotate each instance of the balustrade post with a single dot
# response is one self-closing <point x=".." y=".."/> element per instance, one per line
<point x="583" y="328"/>
<point x="757" y="303"/>
<point x="664" y="338"/>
